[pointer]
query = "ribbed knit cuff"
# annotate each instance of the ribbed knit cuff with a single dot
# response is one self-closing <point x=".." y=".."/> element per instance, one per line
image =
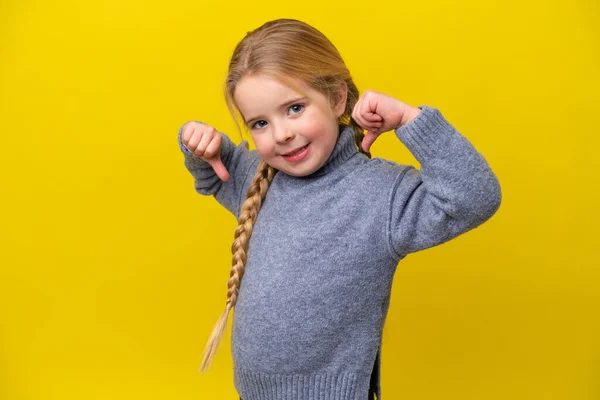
<point x="426" y="134"/>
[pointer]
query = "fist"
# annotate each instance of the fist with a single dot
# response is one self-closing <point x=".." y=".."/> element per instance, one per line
<point x="204" y="142"/>
<point x="378" y="113"/>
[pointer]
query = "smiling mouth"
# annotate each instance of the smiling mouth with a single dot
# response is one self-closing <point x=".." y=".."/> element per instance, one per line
<point x="294" y="152"/>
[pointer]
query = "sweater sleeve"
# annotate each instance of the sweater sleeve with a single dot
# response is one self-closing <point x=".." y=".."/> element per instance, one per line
<point x="241" y="164"/>
<point x="453" y="192"/>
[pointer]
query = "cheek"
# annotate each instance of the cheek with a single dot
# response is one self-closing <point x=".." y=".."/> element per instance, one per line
<point x="263" y="147"/>
<point x="313" y="128"/>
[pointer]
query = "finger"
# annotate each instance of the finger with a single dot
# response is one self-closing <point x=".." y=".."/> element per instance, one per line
<point x="213" y="147"/>
<point x="373" y="126"/>
<point x="356" y="115"/>
<point x="368" y="106"/>
<point x="371" y="117"/>
<point x="205" y="139"/>
<point x="355" y="108"/>
<point x="368" y="110"/>
<point x="366" y="124"/>
<point x="219" y="168"/>
<point x="368" y="140"/>
<point x="193" y="141"/>
<point x="364" y="116"/>
<point x="185" y="133"/>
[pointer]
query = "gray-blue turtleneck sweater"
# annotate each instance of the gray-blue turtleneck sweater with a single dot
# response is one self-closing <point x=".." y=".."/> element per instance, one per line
<point x="309" y="318"/>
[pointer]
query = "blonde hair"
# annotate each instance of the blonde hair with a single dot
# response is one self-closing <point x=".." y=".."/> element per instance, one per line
<point x="286" y="50"/>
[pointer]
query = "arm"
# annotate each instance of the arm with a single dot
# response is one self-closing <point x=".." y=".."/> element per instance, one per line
<point x="239" y="161"/>
<point x="454" y="191"/>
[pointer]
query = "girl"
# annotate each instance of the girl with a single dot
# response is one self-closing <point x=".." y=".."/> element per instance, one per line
<point x="322" y="226"/>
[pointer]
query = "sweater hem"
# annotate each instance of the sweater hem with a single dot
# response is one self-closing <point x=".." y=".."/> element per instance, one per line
<point x="319" y="386"/>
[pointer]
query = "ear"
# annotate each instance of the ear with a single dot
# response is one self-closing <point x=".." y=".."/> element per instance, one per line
<point x="339" y="100"/>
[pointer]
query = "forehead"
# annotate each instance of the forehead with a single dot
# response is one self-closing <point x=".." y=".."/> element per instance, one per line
<point x="256" y="95"/>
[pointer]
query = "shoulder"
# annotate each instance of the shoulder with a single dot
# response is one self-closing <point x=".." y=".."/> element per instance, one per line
<point x="376" y="179"/>
<point x="381" y="169"/>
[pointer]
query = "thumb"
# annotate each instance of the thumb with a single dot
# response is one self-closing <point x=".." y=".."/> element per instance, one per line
<point x="368" y="140"/>
<point x="219" y="168"/>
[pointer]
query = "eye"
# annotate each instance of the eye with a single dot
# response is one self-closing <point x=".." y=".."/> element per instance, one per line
<point x="295" y="106"/>
<point x="258" y="122"/>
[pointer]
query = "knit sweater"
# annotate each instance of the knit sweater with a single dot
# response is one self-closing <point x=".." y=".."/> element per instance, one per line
<point x="312" y="303"/>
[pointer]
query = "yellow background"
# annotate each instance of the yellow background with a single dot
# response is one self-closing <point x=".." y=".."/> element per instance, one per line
<point x="113" y="269"/>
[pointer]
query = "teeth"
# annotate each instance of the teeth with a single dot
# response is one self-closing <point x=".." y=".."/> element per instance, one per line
<point x="295" y="152"/>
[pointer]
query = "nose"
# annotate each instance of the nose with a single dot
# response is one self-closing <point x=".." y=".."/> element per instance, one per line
<point x="283" y="133"/>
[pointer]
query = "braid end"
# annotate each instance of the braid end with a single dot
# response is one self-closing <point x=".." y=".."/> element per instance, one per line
<point x="214" y="339"/>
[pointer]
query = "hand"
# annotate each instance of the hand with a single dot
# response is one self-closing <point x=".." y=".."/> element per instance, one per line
<point x="378" y="113"/>
<point x="204" y="142"/>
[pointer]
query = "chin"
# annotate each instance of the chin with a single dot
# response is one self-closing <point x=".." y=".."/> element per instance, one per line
<point x="299" y="172"/>
<point x="296" y="173"/>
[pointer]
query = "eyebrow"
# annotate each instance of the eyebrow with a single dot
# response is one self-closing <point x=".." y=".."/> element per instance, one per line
<point x="287" y="103"/>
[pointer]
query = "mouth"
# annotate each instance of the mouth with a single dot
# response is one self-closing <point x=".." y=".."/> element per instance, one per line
<point x="296" y="151"/>
<point x="297" y="155"/>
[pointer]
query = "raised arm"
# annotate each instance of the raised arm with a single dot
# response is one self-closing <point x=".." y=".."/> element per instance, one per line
<point x="453" y="192"/>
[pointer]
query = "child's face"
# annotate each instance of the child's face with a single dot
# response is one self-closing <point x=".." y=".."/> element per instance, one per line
<point x="280" y="121"/>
